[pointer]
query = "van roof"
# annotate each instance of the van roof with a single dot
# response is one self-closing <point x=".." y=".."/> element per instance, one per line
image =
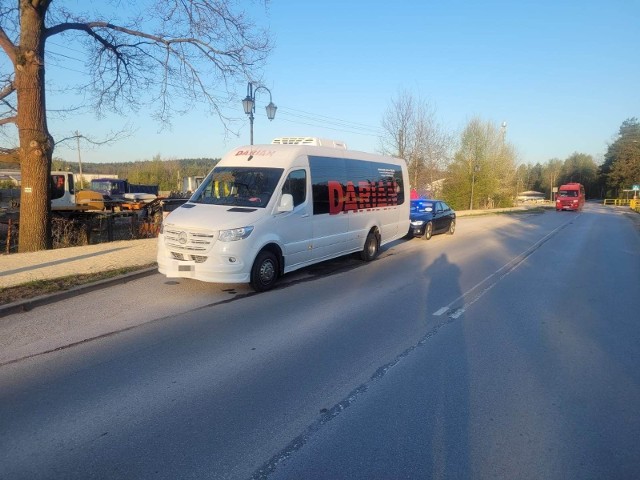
<point x="318" y="142"/>
<point x="284" y="155"/>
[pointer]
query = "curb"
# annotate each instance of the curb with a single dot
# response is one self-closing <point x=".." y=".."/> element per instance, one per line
<point x="31" y="303"/>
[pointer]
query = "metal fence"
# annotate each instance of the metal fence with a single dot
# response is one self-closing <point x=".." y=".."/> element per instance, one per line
<point x="632" y="203"/>
<point x="624" y="202"/>
<point x="86" y="230"/>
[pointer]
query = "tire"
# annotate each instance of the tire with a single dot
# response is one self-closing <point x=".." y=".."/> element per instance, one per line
<point x="264" y="272"/>
<point x="371" y="247"/>
<point x="428" y="231"/>
<point x="452" y="227"/>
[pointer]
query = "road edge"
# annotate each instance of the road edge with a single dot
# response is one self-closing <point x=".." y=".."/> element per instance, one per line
<point x="31" y="303"/>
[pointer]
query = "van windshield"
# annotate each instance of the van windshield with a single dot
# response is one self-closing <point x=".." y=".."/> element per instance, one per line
<point x="568" y="193"/>
<point x="238" y="186"/>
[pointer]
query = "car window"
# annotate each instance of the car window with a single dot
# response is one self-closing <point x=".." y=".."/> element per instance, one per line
<point x="296" y="185"/>
<point x="421" y="207"/>
<point x="445" y="207"/>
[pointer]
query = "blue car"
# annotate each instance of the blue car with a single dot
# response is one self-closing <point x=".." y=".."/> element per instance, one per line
<point x="429" y="217"/>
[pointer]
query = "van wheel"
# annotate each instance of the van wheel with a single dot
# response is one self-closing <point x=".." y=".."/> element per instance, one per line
<point x="452" y="227"/>
<point x="264" y="272"/>
<point x="428" y="231"/>
<point x="371" y="247"/>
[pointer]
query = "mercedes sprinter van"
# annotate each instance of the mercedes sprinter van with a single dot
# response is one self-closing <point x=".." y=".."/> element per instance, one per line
<point x="266" y="210"/>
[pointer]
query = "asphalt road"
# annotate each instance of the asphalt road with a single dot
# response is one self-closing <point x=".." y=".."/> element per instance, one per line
<point x="509" y="350"/>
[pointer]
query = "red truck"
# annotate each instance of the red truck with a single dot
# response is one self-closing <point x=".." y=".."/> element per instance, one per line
<point x="570" y="197"/>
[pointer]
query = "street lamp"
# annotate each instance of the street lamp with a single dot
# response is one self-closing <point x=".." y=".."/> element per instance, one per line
<point x="249" y="105"/>
<point x="476" y="168"/>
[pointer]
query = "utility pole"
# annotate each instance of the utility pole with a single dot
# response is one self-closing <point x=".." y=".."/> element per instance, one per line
<point x="79" y="161"/>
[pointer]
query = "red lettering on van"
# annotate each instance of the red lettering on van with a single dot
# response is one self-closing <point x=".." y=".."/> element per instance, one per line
<point x="336" y="197"/>
<point x="256" y="153"/>
<point x="350" y="199"/>
<point x="366" y="195"/>
<point x="392" y="192"/>
<point x="382" y="194"/>
<point x="364" y="190"/>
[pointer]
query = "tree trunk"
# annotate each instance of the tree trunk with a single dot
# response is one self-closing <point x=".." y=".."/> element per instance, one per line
<point x="36" y="145"/>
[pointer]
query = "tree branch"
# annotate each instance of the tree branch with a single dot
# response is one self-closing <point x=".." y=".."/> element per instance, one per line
<point x="113" y="137"/>
<point x="7" y="120"/>
<point x="7" y="90"/>
<point x="7" y="45"/>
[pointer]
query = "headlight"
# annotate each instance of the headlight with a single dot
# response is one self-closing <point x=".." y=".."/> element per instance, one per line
<point x="234" y="234"/>
<point x="417" y="223"/>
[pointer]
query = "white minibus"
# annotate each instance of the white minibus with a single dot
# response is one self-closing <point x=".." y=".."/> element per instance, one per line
<point x="266" y="210"/>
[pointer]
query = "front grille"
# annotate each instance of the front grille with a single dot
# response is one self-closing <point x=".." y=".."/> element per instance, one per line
<point x="181" y="257"/>
<point x="188" y="241"/>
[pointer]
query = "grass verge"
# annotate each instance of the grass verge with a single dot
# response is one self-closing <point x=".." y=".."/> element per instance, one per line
<point x="36" y="288"/>
<point x="534" y="210"/>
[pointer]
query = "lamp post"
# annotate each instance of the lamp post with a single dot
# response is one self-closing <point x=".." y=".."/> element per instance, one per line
<point x="249" y="105"/>
<point x="476" y="168"/>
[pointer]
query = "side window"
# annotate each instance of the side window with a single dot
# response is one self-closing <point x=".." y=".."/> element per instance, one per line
<point x="57" y="186"/>
<point x="439" y="207"/>
<point x="296" y="185"/>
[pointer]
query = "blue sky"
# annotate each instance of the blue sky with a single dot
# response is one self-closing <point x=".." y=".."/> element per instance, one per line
<point x="563" y="75"/>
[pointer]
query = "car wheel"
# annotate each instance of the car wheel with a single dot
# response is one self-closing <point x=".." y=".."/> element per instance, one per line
<point x="428" y="231"/>
<point x="264" y="272"/>
<point x="452" y="227"/>
<point x="371" y="247"/>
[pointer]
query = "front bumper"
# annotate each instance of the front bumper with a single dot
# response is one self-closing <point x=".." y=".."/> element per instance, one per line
<point x="220" y="265"/>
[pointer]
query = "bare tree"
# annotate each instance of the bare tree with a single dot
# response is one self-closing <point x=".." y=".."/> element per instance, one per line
<point x="167" y="53"/>
<point x="552" y="170"/>
<point x="413" y="134"/>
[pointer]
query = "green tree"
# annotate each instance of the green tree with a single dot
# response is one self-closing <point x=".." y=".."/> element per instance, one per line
<point x="166" y="50"/>
<point x="524" y="178"/>
<point x="483" y="171"/>
<point x="581" y="168"/>
<point x="621" y="167"/>
<point x="537" y="178"/>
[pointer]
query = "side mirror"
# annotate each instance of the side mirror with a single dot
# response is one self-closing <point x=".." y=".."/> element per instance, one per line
<point x="286" y="203"/>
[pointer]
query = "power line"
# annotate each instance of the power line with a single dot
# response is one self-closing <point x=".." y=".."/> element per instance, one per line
<point x="333" y="126"/>
<point x="322" y="120"/>
<point x="334" y="120"/>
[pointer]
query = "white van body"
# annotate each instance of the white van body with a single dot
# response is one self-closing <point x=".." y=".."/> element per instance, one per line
<point x="266" y="210"/>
